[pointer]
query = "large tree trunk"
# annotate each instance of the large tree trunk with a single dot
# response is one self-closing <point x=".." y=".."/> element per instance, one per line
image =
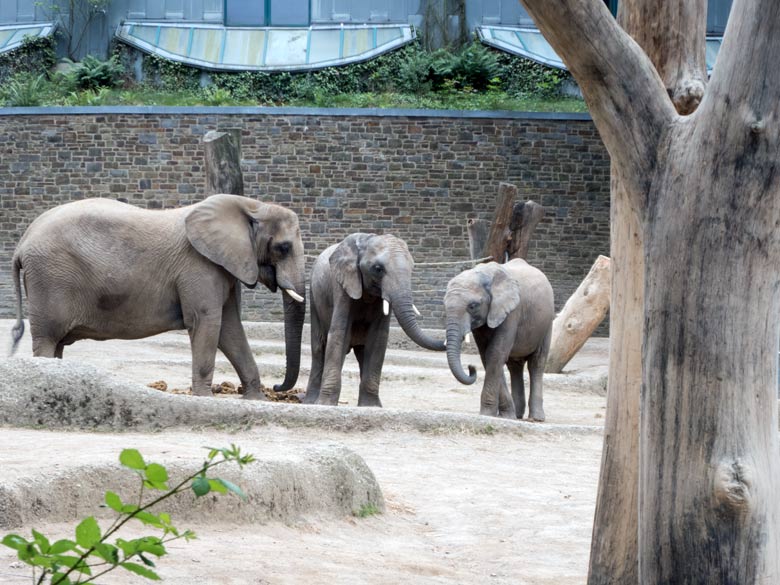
<point x="704" y="190"/>
<point x="672" y="34"/>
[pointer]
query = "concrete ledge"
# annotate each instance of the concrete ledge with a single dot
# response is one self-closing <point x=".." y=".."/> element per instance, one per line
<point x="290" y="111"/>
<point x="56" y="394"/>
<point x="330" y="480"/>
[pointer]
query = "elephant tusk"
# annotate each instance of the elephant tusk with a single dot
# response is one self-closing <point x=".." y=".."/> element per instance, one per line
<point x="294" y="295"/>
<point x="416" y="311"/>
<point x="385" y="307"/>
<point x="467" y="338"/>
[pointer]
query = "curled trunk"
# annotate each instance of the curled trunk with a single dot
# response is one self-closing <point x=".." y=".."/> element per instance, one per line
<point x="402" y="307"/>
<point x="454" y="339"/>
<point x="294" y="313"/>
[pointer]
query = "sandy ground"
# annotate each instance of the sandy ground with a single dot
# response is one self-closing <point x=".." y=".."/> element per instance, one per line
<point x="461" y="508"/>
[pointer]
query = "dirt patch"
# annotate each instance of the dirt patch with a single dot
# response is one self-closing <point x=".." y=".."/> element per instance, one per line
<point x="228" y="389"/>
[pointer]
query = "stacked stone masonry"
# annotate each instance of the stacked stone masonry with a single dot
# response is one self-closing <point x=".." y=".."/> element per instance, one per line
<point x="414" y="175"/>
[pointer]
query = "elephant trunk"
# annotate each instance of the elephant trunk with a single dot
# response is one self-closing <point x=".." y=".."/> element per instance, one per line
<point x="402" y="307"/>
<point x="454" y="338"/>
<point x="294" y="313"/>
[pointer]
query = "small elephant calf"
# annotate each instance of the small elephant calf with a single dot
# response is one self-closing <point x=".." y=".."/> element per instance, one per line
<point x="353" y="286"/>
<point x="510" y="309"/>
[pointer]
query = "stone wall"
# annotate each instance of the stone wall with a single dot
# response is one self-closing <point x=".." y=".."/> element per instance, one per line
<point x="416" y="174"/>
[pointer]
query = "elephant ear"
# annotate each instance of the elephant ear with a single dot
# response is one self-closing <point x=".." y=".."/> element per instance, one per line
<point x="221" y="229"/>
<point x="505" y="291"/>
<point x="345" y="261"/>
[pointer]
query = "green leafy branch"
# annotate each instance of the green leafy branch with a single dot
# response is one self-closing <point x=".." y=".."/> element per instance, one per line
<point x="90" y="556"/>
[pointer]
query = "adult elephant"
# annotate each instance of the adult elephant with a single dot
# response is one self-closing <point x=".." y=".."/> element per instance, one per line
<point x="510" y="309"/>
<point x="101" y="269"/>
<point x="353" y="286"/>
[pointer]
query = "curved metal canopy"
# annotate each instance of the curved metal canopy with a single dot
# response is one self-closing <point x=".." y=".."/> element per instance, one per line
<point x="220" y="48"/>
<point x="12" y="35"/>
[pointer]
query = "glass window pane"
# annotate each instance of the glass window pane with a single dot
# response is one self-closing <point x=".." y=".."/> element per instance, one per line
<point x="244" y="47"/>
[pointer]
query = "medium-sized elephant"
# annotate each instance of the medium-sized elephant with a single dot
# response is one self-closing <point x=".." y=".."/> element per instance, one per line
<point x="510" y="309"/>
<point x="101" y="269"/>
<point x="353" y="286"/>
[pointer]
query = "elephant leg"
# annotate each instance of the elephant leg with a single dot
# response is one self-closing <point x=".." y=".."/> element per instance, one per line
<point x="204" y="336"/>
<point x="518" y="386"/>
<point x="46" y="347"/>
<point x="336" y="350"/>
<point x="371" y="371"/>
<point x="535" y="396"/>
<point x="496" y="399"/>
<point x="319" y="339"/>
<point x="234" y="344"/>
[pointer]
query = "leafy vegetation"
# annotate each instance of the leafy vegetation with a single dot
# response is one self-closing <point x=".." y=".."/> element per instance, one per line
<point x="90" y="555"/>
<point x="475" y="77"/>
<point x="367" y="509"/>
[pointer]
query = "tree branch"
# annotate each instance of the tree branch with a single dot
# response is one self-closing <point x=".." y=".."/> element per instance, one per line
<point x="624" y="93"/>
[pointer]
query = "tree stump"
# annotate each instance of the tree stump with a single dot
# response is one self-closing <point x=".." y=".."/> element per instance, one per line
<point x="581" y="314"/>
<point x="478" y="232"/>
<point x="525" y="216"/>
<point x="499" y="234"/>
<point x="223" y="162"/>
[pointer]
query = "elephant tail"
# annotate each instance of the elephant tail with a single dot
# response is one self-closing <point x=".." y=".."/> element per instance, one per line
<point x="18" y="329"/>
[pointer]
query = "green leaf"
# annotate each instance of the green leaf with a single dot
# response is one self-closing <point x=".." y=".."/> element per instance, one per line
<point x="88" y="532"/>
<point x="107" y="552"/>
<point x="233" y="488"/>
<point x="200" y="485"/>
<point x="132" y="458"/>
<point x="147" y="562"/>
<point x="149" y="519"/>
<point x="156" y="485"/>
<point x="73" y="562"/>
<point x="41" y="541"/>
<point x="151" y="545"/>
<point x="62" y="546"/>
<point x="156" y="473"/>
<point x="129" y="508"/>
<point x="113" y="501"/>
<point x="140" y="570"/>
<point x="60" y="579"/>
<point x="128" y="547"/>
<point x="14" y="541"/>
<point x="217" y="486"/>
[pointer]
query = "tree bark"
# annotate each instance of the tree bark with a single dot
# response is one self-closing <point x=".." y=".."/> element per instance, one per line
<point x="499" y="234"/>
<point x="672" y="34"/>
<point x="525" y="217"/>
<point x="478" y="232"/>
<point x="704" y="189"/>
<point x="580" y="316"/>
<point x="223" y="162"/>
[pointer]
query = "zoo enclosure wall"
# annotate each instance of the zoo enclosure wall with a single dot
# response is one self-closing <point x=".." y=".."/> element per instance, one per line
<point x="416" y="174"/>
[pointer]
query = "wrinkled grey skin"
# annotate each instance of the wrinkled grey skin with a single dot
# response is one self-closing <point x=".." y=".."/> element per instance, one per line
<point x="348" y="283"/>
<point x="101" y="269"/>
<point x="510" y="309"/>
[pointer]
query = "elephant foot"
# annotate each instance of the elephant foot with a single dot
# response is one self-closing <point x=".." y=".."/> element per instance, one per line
<point x="309" y="397"/>
<point x="536" y="415"/>
<point x="325" y="400"/>
<point x="488" y="411"/>
<point x="509" y="414"/>
<point x="254" y="395"/>
<point x="202" y="392"/>
<point x="369" y="400"/>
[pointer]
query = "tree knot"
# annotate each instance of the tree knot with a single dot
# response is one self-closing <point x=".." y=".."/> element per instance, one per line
<point x="733" y="481"/>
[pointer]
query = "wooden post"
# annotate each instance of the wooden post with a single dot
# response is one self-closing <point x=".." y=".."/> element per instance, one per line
<point x="499" y="234"/>
<point x="525" y="216"/>
<point x="478" y="233"/>
<point x="223" y="162"/>
<point x="581" y="314"/>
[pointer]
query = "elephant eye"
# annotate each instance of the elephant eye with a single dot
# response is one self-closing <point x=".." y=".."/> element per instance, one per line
<point x="282" y="249"/>
<point x="473" y="306"/>
<point x="377" y="269"/>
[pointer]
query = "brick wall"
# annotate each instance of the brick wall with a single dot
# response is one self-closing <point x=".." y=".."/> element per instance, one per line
<point x="418" y="175"/>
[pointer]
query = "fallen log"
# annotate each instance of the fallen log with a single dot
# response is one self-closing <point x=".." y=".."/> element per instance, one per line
<point x="583" y="312"/>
